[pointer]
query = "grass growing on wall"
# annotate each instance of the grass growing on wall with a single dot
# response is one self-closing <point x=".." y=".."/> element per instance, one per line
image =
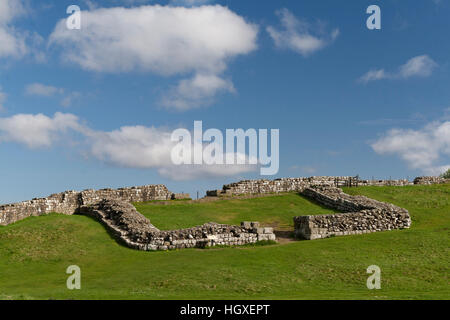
<point x="35" y="253"/>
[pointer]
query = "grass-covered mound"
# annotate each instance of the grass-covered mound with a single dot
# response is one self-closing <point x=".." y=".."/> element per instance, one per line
<point x="35" y="253"/>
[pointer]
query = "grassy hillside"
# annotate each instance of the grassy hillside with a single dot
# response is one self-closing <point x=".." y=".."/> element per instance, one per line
<point x="35" y="253"/>
<point x="276" y="211"/>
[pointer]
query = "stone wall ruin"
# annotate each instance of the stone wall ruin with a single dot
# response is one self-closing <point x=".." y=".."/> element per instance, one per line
<point x="297" y="185"/>
<point x="69" y="201"/>
<point x="135" y="231"/>
<point x="360" y="215"/>
<point x="430" y="180"/>
<point x="113" y="208"/>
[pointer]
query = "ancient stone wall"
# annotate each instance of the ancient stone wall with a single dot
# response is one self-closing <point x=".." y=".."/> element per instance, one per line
<point x="381" y="183"/>
<point x="136" y="231"/>
<point x="68" y="202"/>
<point x="297" y="184"/>
<point x="360" y="215"/>
<point x="430" y="180"/>
<point x="277" y="185"/>
<point x="133" y="194"/>
<point x="181" y="196"/>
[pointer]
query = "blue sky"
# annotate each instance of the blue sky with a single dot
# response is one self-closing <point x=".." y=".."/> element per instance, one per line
<point x="77" y="105"/>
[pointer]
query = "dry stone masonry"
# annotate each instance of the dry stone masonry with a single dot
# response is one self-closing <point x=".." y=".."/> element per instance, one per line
<point x="360" y="215"/>
<point x="135" y="231"/>
<point x="430" y="180"/>
<point x="68" y="202"/>
<point x="297" y="184"/>
<point x="113" y="208"/>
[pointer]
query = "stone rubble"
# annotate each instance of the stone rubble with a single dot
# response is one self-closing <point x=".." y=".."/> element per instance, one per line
<point x="135" y="231"/>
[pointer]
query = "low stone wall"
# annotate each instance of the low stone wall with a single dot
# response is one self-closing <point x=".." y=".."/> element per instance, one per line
<point x="135" y="231"/>
<point x="430" y="180"/>
<point x="361" y="215"/>
<point x="277" y="185"/>
<point x="133" y="194"/>
<point x="297" y="185"/>
<point x="181" y="196"/>
<point x="381" y="183"/>
<point x="68" y="202"/>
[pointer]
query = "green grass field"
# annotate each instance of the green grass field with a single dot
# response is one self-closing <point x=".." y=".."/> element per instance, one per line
<point x="34" y="254"/>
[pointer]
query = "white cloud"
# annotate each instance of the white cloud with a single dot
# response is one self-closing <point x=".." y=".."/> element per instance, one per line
<point x="149" y="147"/>
<point x="36" y="131"/>
<point x="298" y="35"/>
<point x="10" y="9"/>
<point x="420" y="66"/>
<point x="12" y="42"/>
<point x="16" y="43"/>
<point x="165" y="40"/>
<point x="160" y="39"/>
<point x="423" y="149"/>
<point x="196" y="92"/>
<point x="374" y="75"/>
<point x="131" y="146"/>
<point x="136" y="147"/>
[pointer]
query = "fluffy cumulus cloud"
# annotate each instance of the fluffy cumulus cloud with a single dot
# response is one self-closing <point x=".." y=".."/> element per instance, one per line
<point x="148" y="147"/>
<point x="420" y="66"/>
<point x="164" y="40"/>
<point x="12" y="42"/>
<point x="131" y="146"/>
<point x="427" y="149"/>
<point x="299" y="35"/>
<point x="37" y="131"/>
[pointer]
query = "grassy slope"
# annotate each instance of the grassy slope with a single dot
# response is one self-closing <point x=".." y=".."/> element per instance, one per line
<point x="34" y="254"/>
<point x="276" y="211"/>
